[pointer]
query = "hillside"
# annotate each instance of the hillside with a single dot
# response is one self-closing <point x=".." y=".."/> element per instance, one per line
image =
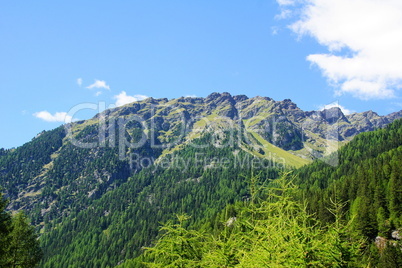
<point x="98" y="189"/>
<point x="348" y="215"/>
<point x="368" y="179"/>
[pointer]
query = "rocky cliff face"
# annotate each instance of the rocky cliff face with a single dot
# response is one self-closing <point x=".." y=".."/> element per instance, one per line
<point x="281" y="123"/>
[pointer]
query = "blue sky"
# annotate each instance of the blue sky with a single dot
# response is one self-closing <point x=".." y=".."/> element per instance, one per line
<point x="55" y="56"/>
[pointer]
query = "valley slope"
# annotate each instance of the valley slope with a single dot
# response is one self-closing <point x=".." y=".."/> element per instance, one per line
<point x="98" y="189"/>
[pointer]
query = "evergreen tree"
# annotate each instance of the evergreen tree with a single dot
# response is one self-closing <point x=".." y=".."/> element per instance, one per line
<point x="22" y="249"/>
<point x="5" y="223"/>
<point x="178" y="246"/>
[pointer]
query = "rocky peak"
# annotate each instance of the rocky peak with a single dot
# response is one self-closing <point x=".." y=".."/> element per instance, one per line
<point x="391" y="117"/>
<point x="288" y="104"/>
<point x="259" y="98"/>
<point x="370" y="114"/>
<point x="213" y="96"/>
<point x="151" y="100"/>
<point x="217" y="98"/>
<point x="239" y="98"/>
<point x="192" y="100"/>
<point x="333" y="115"/>
<point x="162" y="100"/>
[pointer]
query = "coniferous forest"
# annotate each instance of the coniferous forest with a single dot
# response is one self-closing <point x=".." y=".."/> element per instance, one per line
<point x="201" y="206"/>
<point x="317" y="216"/>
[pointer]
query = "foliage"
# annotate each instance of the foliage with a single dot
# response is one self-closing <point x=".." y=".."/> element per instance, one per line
<point x="391" y="257"/>
<point x="274" y="231"/>
<point x="367" y="179"/>
<point x="5" y="226"/>
<point x="19" y="246"/>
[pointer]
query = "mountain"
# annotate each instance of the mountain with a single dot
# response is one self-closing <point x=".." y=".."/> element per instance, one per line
<point x="270" y="129"/>
<point x="97" y="189"/>
<point x="344" y="215"/>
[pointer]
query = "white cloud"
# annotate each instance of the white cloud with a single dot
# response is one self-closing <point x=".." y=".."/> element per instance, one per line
<point x="123" y="98"/>
<point x="99" y="84"/>
<point x="57" y="117"/>
<point x="363" y="38"/>
<point x="336" y="104"/>
<point x="79" y="81"/>
<point x="98" y="93"/>
<point x="285" y="13"/>
<point x="285" y="2"/>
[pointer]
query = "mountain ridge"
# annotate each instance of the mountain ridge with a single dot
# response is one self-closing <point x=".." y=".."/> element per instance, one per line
<point x="121" y="152"/>
<point x="263" y="114"/>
